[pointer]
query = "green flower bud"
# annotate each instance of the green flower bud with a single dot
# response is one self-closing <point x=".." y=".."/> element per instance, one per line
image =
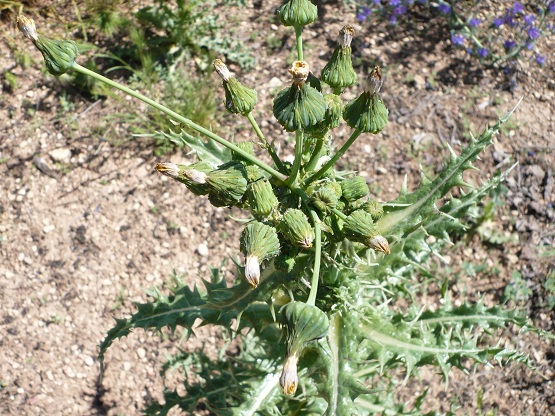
<point x="239" y="99"/>
<point x="296" y="228"/>
<point x="297" y="13"/>
<point x="374" y="208"/>
<point x="193" y="176"/>
<point x="262" y="199"/>
<point x="248" y="147"/>
<point x="253" y="173"/>
<point x="354" y="188"/>
<point x="303" y="323"/>
<point x="259" y="242"/>
<point x="59" y="55"/>
<point x="228" y="184"/>
<point x="299" y="106"/>
<point x="334" y="227"/>
<point x="367" y="112"/>
<point x="338" y="72"/>
<point x="325" y="199"/>
<point x="360" y="227"/>
<point x="332" y="116"/>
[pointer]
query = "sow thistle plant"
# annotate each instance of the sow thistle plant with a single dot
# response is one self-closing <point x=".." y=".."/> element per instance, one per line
<point x="325" y="268"/>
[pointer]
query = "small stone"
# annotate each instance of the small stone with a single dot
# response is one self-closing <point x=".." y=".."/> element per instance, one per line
<point x="202" y="250"/>
<point x="89" y="360"/>
<point x="275" y="82"/>
<point x="68" y="371"/>
<point x="61" y="155"/>
<point x="20" y="390"/>
<point x="141" y="353"/>
<point x="48" y="229"/>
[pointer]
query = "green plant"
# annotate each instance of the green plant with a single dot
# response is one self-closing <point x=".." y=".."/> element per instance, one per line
<point x="319" y="303"/>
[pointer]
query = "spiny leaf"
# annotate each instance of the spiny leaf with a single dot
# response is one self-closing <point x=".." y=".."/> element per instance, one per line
<point x="208" y="150"/>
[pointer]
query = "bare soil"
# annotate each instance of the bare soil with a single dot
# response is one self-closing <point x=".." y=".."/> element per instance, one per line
<point x="86" y="224"/>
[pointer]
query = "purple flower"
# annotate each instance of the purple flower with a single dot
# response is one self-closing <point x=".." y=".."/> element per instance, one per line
<point x="530" y="46"/>
<point x="457" y="39"/>
<point x="363" y="14"/>
<point x="483" y="52"/>
<point x="377" y="2"/>
<point x="399" y="10"/>
<point x="509" y="44"/>
<point x="540" y="60"/>
<point x="394" y="3"/>
<point x="444" y="8"/>
<point x="533" y="33"/>
<point x="517" y="7"/>
<point x="474" y="22"/>
<point x="529" y="19"/>
<point x="469" y="51"/>
<point x="551" y="7"/>
<point x="498" y="22"/>
<point x="393" y="19"/>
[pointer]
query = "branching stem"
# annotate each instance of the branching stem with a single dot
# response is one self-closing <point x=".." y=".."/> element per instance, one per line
<point x="183" y="120"/>
<point x="269" y="147"/>
<point x="334" y="158"/>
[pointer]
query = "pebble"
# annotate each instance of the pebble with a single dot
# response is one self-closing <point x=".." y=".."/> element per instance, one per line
<point x="61" y="155"/>
<point x="202" y="249"/>
<point x="275" y="82"/>
<point x="89" y="361"/>
<point x="141" y="353"/>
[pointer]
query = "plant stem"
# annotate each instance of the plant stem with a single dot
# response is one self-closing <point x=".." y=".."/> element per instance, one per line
<point x="316" y="154"/>
<point x="267" y="145"/>
<point x="317" y="256"/>
<point x="183" y="120"/>
<point x="334" y="158"/>
<point x="299" y="138"/>
<point x="299" y="39"/>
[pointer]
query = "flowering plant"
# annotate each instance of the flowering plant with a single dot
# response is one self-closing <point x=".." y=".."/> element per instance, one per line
<point x="319" y="299"/>
<point x="494" y="37"/>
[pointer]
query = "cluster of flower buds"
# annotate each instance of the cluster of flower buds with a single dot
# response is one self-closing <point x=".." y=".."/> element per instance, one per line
<point x="59" y="55"/>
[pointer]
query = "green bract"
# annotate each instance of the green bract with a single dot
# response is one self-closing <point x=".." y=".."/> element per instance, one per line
<point x="339" y="72"/>
<point x="367" y="112"/>
<point x="299" y="106"/>
<point x="239" y="99"/>
<point x="262" y="200"/>
<point x="228" y="184"/>
<point x="296" y="228"/>
<point x="259" y="242"/>
<point x="354" y="188"/>
<point x="59" y="55"/>
<point x="297" y="13"/>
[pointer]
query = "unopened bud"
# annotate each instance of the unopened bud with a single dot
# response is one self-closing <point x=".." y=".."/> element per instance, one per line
<point x="297" y="13"/>
<point x="259" y="242"/>
<point x="289" y="379"/>
<point x="59" y="55"/>
<point x="228" y="183"/>
<point x="367" y="112"/>
<point x="239" y="99"/>
<point x="296" y="228"/>
<point x="299" y="106"/>
<point x="339" y="72"/>
<point x="193" y="176"/>
<point x="354" y="188"/>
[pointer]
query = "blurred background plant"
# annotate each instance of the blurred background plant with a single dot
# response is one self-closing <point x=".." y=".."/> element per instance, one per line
<point x="493" y="35"/>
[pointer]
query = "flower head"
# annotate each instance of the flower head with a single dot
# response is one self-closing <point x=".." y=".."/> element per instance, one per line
<point x="517" y="7"/>
<point x="533" y="32"/>
<point x="483" y="52"/>
<point x="540" y="59"/>
<point x="509" y="44"/>
<point x="474" y="22"/>
<point x="498" y="22"/>
<point x="444" y="8"/>
<point x="457" y="39"/>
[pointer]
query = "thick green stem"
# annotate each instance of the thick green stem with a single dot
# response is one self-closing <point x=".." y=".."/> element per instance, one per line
<point x="316" y="154"/>
<point x="183" y="120"/>
<point x="317" y="256"/>
<point x="267" y="145"/>
<point x="334" y="158"/>
<point x="299" y="39"/>
<point x="299" y="139"/>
